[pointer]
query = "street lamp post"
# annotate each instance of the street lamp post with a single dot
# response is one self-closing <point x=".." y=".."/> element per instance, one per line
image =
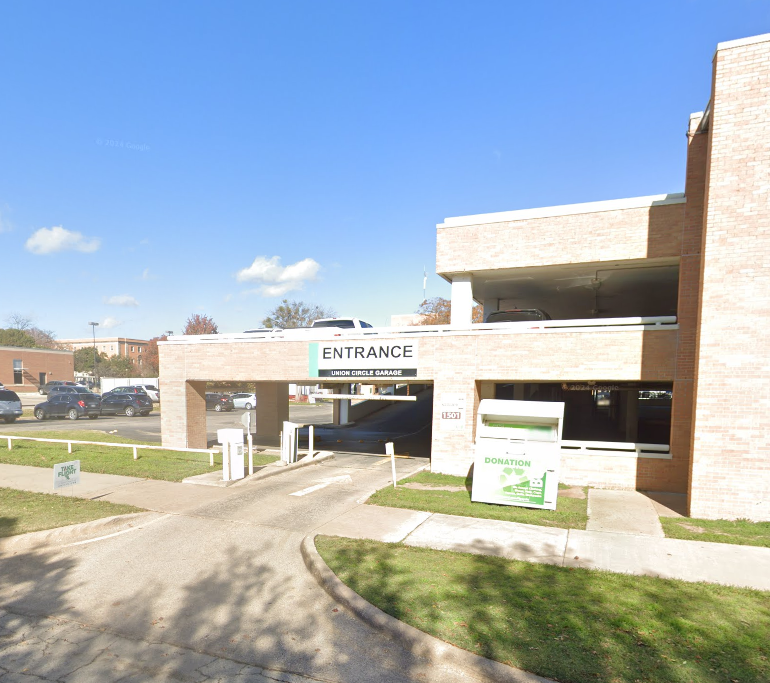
<point x="93" y="331"/>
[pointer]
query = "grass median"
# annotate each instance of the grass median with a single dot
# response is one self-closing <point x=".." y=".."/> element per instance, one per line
<point x="573" y="625"/>
<point x="23" y="511"/>
<point x="151" y="464"/>
<point x="570" y="513"/>
<point x="737" y="532"/>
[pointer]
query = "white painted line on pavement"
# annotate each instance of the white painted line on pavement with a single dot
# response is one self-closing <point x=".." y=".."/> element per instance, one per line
<point x="344" y="479"/>
<point x="117" y="533"/>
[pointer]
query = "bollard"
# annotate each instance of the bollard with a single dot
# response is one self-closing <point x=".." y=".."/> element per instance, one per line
<point x="390" y="449"/>
<point x="135" y="457"/>
<point x="10" y="441"/>
<point x="211" y="458"/>
<point x="69" y="447"/>
<point x="251" y="454"/>
<point x="310" y="441"/>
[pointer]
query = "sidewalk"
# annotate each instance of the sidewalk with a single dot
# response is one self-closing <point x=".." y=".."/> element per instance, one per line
<point x="734" y="565"/>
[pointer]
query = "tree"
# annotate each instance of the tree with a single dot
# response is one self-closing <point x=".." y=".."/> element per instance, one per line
<point x="151" y="358"/>
<point x="84" y="359"/>
<point x="291" y="314"/>
<point x="15" y="337"/>
<point x="116" y="366"/>
<point x="438" y="311"/>
<point x="200" y="324"/>
<point x="44" y="339"/>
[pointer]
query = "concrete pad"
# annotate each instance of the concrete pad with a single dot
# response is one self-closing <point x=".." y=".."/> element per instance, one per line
<point x="40" y="480"/>
<point x="622" y="512"/>
<point x="668" y="504"/>
<point x="670" y="558"/>
<point x="491" y="537"/>
<point x="376" y="523"/>
<point x="166" y="496"/>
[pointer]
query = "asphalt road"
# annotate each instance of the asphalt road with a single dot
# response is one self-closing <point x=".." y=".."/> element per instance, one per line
<point x="217" y="592"/>
<point x="407" y="424"/>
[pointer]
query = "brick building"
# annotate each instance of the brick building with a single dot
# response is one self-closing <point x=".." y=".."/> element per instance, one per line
<point x="25" y="370"/>
<point x="112" y="346"/>
<point x="657" y="341"/>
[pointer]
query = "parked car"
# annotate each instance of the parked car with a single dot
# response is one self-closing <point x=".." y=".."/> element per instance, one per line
<point x="247" y="401"/>
<point x="346" y="323"/>
<point x="10" y="405"/>
<point x="518" y="315"/>
<point x="126" y="404"/>
<point x="125" y="390"/>
<point x="219" y="402"/>
<point x="69" y="389"/>
<point x="151" y="390"/>
<point x="72" y="406"/>
<point x="54" y="383"/>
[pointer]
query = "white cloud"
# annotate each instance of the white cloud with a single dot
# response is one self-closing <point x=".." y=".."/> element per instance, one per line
<point x="121" y="300"/>
<point x="147" y="275"/>
<point x="278" y="279"/>
<point x="51" y="240"/>
<point x="108" y="323"/>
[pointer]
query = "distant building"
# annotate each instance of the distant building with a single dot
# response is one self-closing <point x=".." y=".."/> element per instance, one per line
<point x="112" y="346"/>
<point x="26" y="370"/>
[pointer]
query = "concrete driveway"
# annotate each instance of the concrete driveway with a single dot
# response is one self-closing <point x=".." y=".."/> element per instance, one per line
<point x="219" y="588"/>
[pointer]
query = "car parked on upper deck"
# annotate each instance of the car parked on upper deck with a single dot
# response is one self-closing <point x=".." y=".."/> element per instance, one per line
<point x="10" y="405"/>
<point x="344" y="323"/>
<point x="518" y="315"/>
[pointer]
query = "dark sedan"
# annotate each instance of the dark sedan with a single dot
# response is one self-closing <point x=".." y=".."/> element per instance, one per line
<point x="72" y="406"/>
<point x="219" y="402"/>
<point x="126" y="404"/>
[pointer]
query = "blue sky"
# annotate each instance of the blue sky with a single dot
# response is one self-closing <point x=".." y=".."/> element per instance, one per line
<point x="164" y="159"/>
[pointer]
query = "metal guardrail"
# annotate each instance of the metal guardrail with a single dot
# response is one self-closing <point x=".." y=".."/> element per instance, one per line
<point x="134" y="446"/>
<point x="640" y="450"/>
<point x="662" y="322"/>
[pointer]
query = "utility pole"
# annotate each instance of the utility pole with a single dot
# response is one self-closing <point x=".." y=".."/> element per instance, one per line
<point x="93" y="331"/>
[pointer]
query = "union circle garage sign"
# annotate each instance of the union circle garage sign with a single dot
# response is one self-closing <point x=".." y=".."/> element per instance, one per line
<point x="363" y="359"/>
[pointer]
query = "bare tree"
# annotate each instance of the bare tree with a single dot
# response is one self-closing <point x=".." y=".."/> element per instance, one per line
<point x="438" y="311"/>
<point x="290" y="314"/>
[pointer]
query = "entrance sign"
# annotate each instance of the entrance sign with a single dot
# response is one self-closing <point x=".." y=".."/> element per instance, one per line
<point x="66" y="474"/>
<point x="452" y="412"/>
<point x="517" y="453"/>
<point x="358" y="359"/>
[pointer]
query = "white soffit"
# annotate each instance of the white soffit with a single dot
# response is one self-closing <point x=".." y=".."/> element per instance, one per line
<point x="565" y="210"/>
<point x="751" y="40"/>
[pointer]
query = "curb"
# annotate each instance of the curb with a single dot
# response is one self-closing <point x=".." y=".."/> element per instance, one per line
<point x="265" y="473"/>
<point x="64" y="535"/>
<point x="439" y="653"/>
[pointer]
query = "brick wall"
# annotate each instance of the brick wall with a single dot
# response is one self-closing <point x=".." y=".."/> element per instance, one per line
<point x="639" y="233"/>
<point x="55" y="364"/>
<point x="731" y="446"/>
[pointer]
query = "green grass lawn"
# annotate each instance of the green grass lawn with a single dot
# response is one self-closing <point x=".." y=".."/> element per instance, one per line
<point x="738" y="532"/>
<point x="570" y="513"/>
<point x="151" y="464"/>
<point x="573" y="625"/>
<point x="22" y="511"/>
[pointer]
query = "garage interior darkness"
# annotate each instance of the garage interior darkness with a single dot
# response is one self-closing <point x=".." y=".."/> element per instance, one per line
<point x="605" y="411"/>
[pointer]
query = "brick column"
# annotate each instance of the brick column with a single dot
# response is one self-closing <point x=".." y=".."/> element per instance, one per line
<point x="730" y="475"/>
<point x="272" y="410"/>
<point x="183" y="414"/>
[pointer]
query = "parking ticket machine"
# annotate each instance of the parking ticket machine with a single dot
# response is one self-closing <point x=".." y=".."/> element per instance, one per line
<point x="517" y="453"/>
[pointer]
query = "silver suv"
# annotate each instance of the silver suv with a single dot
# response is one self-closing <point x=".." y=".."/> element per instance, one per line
<point x="10" y="405"/>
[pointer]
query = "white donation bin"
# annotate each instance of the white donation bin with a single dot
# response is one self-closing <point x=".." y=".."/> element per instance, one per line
<point x="517" y="451"/>
<point x="232" y="453"/>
